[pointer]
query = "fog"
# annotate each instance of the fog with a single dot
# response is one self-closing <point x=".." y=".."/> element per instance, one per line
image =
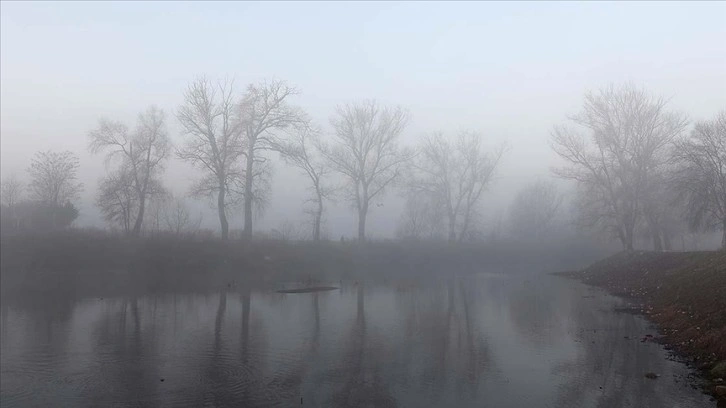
<point x="509" y="71"/>
<point x="349" y="204"/>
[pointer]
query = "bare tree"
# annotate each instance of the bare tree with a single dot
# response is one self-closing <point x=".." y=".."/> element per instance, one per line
<point x="700" y="175"/>
<point x="422" y="216"/>
<point x="178" y="219"/>
<point x="366" y="151"/>
<point x="118" y="199"/>
<point x="54" y="178"/>
<point x="456" y="173"/>
<point x="620" y="143"/>
<point x="534" y="210"/>
<point x="12" y="192"/>
<point x="210" y="119"/>
<point x="170" y="213"/>
<point x="142" y="154"/>
<point x="285" y="232"/>
<point x="303" y="151"/>
<point x="264" y="111"/>
<point x="662" y="212"/>
<point x="156" y="212"/>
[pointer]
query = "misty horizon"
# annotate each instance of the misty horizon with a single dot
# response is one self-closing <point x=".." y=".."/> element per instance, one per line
<point x="508" y="71"/>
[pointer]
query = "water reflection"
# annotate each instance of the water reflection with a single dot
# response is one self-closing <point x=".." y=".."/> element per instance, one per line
<point x="360" y="366"/>
<point x="480" y="340"/>
<point x="612" y="361"/>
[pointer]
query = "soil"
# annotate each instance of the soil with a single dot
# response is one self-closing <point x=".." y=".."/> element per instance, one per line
<point x="683" y="292"/>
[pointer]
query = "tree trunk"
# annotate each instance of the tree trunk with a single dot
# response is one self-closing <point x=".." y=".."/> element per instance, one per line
<point x="318" y="217"/>
<point x="127" y="218"/>
<point x="655" y="233"/>
<point x="628" y="238"/>
<point x="222" y="215"/>
<point x="657" y="241"/>
<point x="246" y="297"/>
<point x="127" y="223"/>
<point x="667" y="242"/>
<point x="140" y="216"/>
<point x="621" y="237"/>
<point x="464" y="228"/>
<point x="362" y="214"/>
<point x="220" y="319"/>
<point x="361" y="306"/>
<point x="629" y="244"/>
<point x="452" y="227"/>
<point x="248" y="193"/>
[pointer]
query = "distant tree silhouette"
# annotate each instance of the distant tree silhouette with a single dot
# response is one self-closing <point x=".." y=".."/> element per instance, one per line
<point x="54" y="185"/>
<point x="264" y="111"/>
<point x="210" y="121"/>
<point x="533" y="211"/>
<point x="456" y="174"/>
<point x="700" y="175"/>
<point x="303" y="151"/>
<point x="614" y="153"/>
<point x="366" y="151"/>
<point x="123" y="195"/>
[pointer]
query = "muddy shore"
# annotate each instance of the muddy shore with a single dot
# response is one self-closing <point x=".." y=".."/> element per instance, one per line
<point x="684" y="293"/>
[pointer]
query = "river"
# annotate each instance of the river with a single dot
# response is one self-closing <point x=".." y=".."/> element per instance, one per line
<point x="482" y="340"/>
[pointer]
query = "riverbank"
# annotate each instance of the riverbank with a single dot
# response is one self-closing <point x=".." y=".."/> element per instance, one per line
<point x="683" y="292"/>
<point x="82" y="263"/>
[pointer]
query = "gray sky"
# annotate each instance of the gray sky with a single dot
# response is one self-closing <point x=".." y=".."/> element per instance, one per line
<point x="509" y="70"/>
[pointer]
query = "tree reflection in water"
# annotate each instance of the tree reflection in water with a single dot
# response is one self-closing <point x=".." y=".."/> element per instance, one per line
<point x="610" y="367"/>
<point x="362" y="385"/>
<point x="457" y="342"/>
<point x="476" y="351"/>
<point x="127" y="372"/>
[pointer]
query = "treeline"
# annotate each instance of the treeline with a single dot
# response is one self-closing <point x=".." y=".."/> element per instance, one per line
<point x="639" y="170"/>
<point x="52" y="189"/>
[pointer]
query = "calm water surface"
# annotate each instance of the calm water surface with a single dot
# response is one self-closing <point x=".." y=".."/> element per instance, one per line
<point x="484" y="340"/>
